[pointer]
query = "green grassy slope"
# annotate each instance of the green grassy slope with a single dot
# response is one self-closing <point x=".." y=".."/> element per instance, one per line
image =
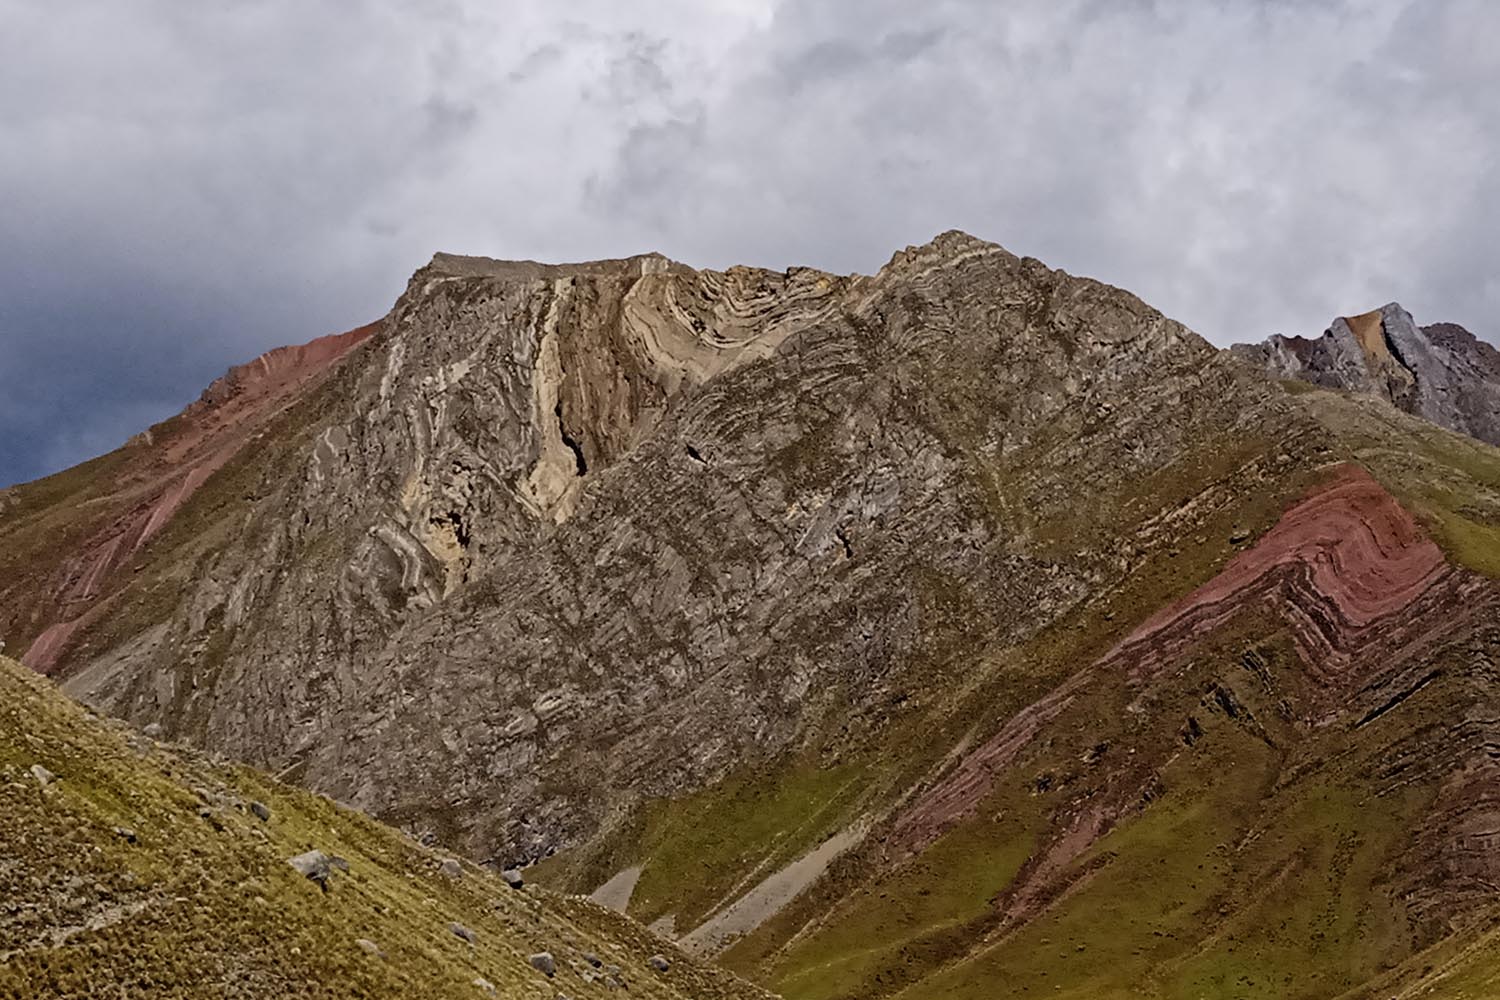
<point x="140" y="870"/>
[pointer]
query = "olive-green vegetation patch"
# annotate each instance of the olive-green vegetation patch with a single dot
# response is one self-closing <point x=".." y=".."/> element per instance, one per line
<point x="698" y="851"/>
<point x="140" y="870"/>
<point x="1216" y="889"/>
<point x="929" y="905"/>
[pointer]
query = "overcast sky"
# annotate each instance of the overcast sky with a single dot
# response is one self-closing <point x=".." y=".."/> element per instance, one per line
<point x="183" y="185"/>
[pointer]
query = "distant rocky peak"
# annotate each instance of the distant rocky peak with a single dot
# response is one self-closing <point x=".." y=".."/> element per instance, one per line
<point x="1441" y="372"/>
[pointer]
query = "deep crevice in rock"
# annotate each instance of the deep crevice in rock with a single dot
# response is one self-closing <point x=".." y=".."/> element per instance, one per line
<point x="572" y="443"/>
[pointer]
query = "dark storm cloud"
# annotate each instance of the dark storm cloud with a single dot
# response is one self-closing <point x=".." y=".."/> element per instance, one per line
<point x="186" y="185"/>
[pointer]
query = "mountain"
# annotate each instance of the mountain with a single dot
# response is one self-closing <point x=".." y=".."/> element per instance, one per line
<point x="968" y="629"/>
<point x="143" y="869"/>
<point x="1441" y="372"/>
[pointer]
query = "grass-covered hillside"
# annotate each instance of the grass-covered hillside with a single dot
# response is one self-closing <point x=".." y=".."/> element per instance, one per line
<point x="132" y="868"/>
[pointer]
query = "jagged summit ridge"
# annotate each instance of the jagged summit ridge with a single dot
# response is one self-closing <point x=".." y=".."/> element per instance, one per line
<point x="1441" y="372"/>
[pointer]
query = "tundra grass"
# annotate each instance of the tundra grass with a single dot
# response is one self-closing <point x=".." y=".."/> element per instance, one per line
<point x="197" y="898"/>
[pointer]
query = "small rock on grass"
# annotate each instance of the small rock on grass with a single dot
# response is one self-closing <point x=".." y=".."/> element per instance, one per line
<point x="314" y="865"/>
<point x="125" y="833"/>
<point x="42" y="775"/>
<point x="452" y="868"/>
<point x="367" y="946"/>
<point x="459" y="930"/>
<point x="260" y="811"/>
<point x="485" y="986"/>
<point x="543" y="962"/>
<point x="512" y="877"/>
<point x="659" y="963"/>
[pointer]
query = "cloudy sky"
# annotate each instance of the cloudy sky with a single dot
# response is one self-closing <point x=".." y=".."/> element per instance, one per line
<point x="183" y="185"/>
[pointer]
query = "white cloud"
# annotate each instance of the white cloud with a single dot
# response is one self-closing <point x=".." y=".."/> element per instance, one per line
<point x="189" y="184"/>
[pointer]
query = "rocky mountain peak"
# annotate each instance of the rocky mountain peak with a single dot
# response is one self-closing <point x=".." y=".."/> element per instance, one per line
<point x="1441" y="372"/>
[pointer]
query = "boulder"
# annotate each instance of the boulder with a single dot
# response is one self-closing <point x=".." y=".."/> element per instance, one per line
<point x="260" y="811"/>
<point x="512" y="878"/>
<point x="314" y="865"/>
<point x="543" y="962"/>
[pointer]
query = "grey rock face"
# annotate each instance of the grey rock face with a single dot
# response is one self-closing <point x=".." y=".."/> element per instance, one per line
<point x="1441" y="372"/>
<point x="561" y="538"/>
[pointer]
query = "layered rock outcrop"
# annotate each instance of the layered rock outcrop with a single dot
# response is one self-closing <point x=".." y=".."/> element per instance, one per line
<point x="569" y="536"/>
<point x="1441" y="372"/>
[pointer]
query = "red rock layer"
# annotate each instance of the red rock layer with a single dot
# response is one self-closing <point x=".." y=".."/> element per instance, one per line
<point x="170" y="468"/>
<point x="1347" y="570"/>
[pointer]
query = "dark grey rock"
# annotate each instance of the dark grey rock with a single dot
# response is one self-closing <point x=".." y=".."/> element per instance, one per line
<point x="512" y="878"/>
<point x="544" y="963"/>
<point x="659" y="963"/>
<point x="452" y="868"/>
<point x="261" y="811"/>
<point x="459" y="930"/>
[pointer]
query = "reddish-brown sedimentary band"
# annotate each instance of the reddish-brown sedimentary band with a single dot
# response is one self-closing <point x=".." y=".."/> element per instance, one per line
<point x="1347" y="570"/>
<point x="171" y="467"/>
